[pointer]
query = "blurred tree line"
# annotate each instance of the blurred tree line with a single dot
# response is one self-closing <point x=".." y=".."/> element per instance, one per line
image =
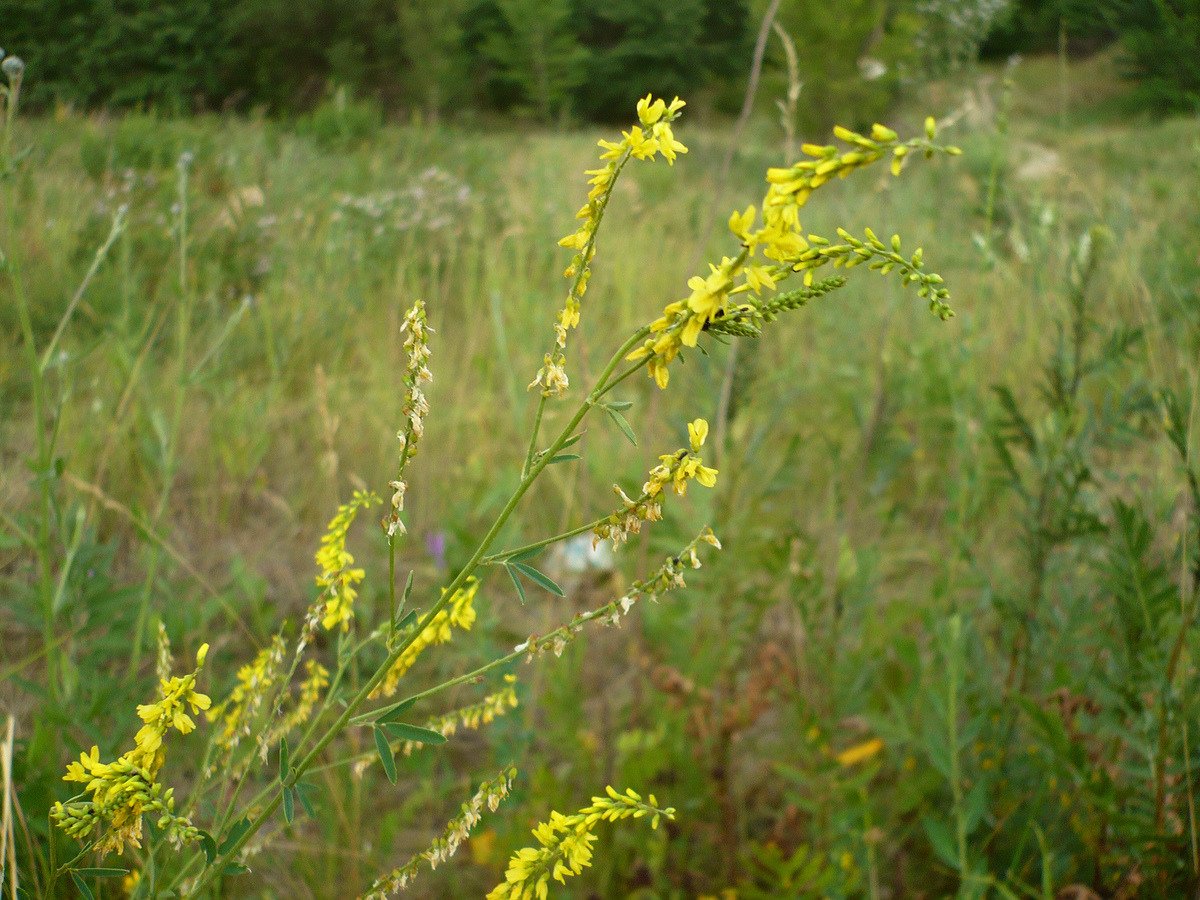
<point x="1159" y="40"/>
<point x="544" y="57"/>
<point x="557" y="58"/>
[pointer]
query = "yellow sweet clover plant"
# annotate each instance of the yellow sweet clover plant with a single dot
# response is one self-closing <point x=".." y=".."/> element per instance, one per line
<point x="281" y="718"/>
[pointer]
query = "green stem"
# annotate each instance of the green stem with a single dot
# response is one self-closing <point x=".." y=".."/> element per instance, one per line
<point x="537" y="545"/>
<point x="585" y="256"/>
<point x="391" y="588"/>
<point x="537" y="427"/>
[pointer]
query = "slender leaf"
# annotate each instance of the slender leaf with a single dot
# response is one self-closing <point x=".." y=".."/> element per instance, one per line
<point x="404" y="732"/>
<point x="83" y="887"/>
<point x="622" y="424"/>
<point x="516" y="583"/>
<point x="283" y="759"/>
<point x="392" y="713"/>
<point x="289" y="805"/>
<point x="209" y="846"/>
<point x="385" y="755"/>
<point x="306" y="801"/>
<point x="408" y="583"/>
<point x="563" y="457"/>
<point x="524" y="555"/>
<point x="235" y="834"/>
<point x="539" y="578"/>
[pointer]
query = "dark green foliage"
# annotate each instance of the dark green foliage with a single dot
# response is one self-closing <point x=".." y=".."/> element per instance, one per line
<point x="342" y="121"/>
<point x="830" y="49"/>
<point x="546" y="58"/>
<point x="1161" y="40"/>
<point x="668" y="48"/>
<point x="127" y="52"/>
<point x="1035" y="26"/>
<point x="536" y="55"/>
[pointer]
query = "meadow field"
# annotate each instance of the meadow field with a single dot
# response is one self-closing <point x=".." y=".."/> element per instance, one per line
<point x="947" y="646"/>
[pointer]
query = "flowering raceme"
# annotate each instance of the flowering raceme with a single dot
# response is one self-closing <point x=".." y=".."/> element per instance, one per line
<point x="652" y="137"/>
<point x="337" y="577"/>
<point x="787" y="250"/>
<point x="416" y="407"/>
<point x="674" y="470"/>
<point x="238" y="711"/>
<point x="458" y="613"/>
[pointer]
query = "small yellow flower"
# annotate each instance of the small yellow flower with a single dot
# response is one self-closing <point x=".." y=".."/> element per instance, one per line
<point x="859" y="752"/>
<point x="740" y="223"/>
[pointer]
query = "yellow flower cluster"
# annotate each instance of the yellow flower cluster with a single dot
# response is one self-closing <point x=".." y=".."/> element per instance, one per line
<point x="674" y="470"/>
<point x="239" y="710"/>
<point x="682" y="466"/>
<point x="337" y="578"/>
<point x="566" y="844"/>
<point x="653" y="136"/>
<point x="489" y="796"/>
<point x="786" y="248"/>
<point x="127" y="789"/>
<point x="859" y="752"/>
<point x="458" y="613"/>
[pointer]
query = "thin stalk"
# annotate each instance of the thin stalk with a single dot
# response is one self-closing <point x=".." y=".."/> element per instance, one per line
<point x="182" y="383"/>
<point x="585" y="256"/>
<point x="537" y="427"/>
<point x="43" y="551"/>
<point x="960" y="825"/>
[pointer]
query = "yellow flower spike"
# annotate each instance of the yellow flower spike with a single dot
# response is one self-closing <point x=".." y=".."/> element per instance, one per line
<point x="459" y="613"/>
<point x="126" y="790"/>
<point x="652" y="137"/>
<point x="337" y="577"/>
